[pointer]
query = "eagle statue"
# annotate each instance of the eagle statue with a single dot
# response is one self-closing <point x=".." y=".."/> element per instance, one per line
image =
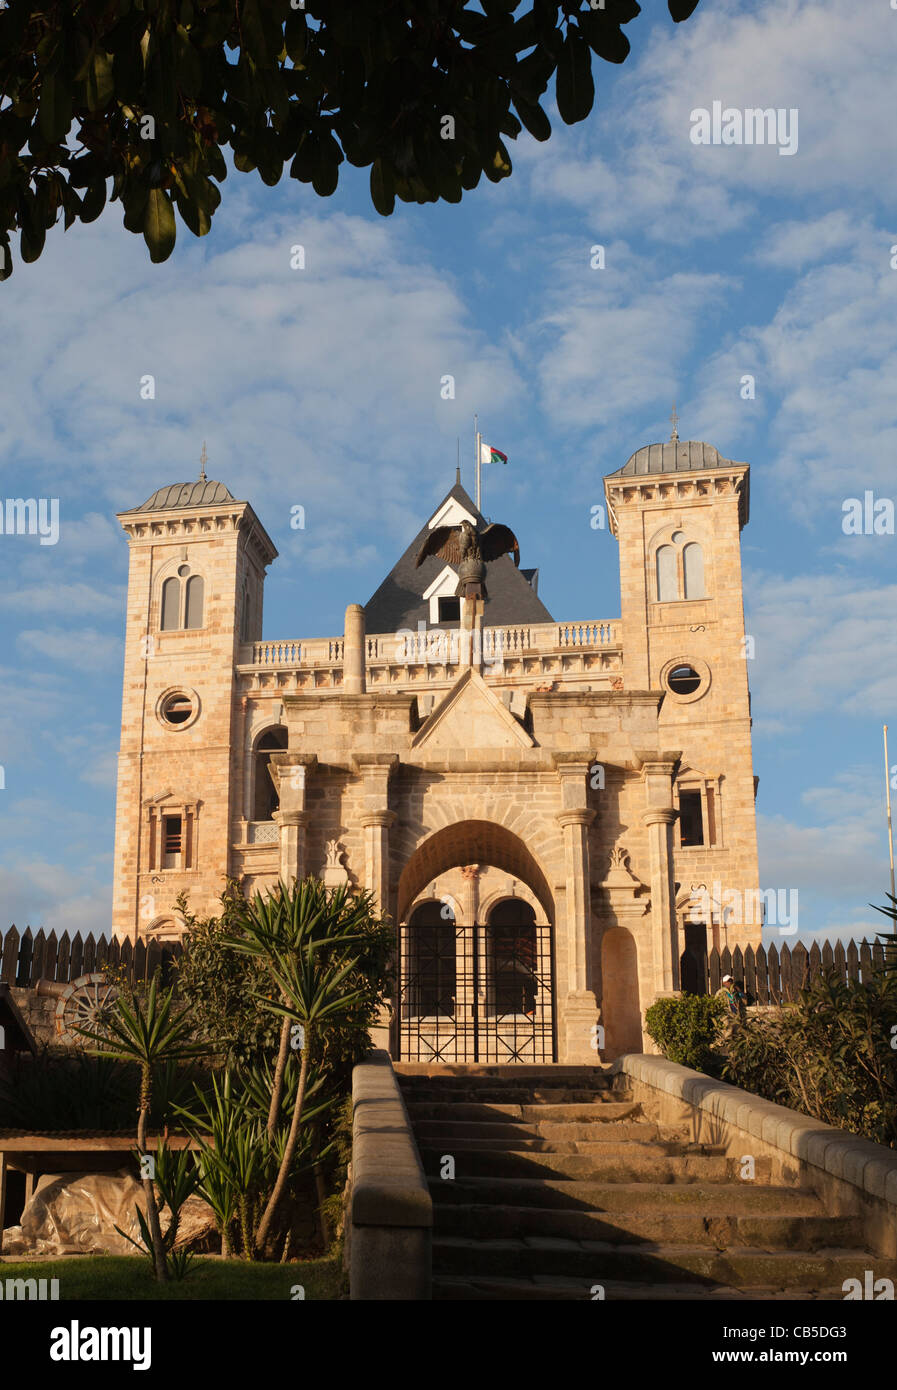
<point x="470" y="550"/>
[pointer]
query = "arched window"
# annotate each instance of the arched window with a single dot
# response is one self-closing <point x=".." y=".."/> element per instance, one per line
<point x="667" y="586"/>
<point x="171" y="605"/>
<point x="195" y="597"/>
<point x="693" y="570"/>
<point x="511" y="982"/>
<point x="432" y="970"/>
<point x="183" y="600"/>
<point x="265" y="799"/>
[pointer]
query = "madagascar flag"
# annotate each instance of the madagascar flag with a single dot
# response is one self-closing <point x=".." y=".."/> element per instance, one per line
<point x="490" y="455"/>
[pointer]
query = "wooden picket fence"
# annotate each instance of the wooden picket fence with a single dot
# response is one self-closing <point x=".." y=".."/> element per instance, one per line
<point x="773" y="976"/>
<point x="26" y="958"/>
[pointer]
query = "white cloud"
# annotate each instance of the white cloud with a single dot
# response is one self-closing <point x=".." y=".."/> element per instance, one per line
<point x="84" y="649"/>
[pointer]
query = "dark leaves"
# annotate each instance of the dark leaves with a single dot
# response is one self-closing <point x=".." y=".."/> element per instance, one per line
<point x="575" y="86"/>
<point x="681" y="9"/>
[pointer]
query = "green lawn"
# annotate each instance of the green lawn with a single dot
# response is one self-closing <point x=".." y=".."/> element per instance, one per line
<point x="126" y="1277"/>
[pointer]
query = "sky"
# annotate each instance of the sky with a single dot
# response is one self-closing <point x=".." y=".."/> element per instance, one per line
<point x="322" y="387"/>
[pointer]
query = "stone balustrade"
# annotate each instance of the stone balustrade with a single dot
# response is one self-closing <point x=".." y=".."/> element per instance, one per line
<point x="434" y="645"/>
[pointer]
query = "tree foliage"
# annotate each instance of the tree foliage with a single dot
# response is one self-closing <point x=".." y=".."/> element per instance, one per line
<point x="148" y="93"/>
<point x="831" y="1055"/>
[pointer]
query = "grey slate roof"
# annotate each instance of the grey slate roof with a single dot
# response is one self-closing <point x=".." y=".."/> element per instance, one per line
<point x="675" y="456"/>
<point x="203" y="493"/>
<point x="398" y="602"/>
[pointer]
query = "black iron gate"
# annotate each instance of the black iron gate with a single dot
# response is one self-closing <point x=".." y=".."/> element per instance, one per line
<point x="476" y="994"/>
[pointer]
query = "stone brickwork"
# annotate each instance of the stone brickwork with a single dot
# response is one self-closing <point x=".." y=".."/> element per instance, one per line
<point x="552" y="758"/>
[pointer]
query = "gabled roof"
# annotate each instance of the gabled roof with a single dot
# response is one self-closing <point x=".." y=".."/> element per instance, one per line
<point x="399" y="601"/>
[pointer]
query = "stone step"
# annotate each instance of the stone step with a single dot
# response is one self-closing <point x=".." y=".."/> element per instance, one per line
<point x="606" y="1140"/>
<point x="512" y="1095"/>
<point x="451" y="1073"/>
<point x="716" y="1199"/>
<point x="482" y="1159"/>
<point x="598" y="1111"/>
<point x="600" y="1261"/>
<point x="557" y="1287"/>
<point x="444" y="1131"/>
<point x="782" y="1230"/>
<point x="632" y="1163"/>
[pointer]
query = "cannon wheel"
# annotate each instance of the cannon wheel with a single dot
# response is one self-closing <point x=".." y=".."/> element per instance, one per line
<point x="83" y="1003"/>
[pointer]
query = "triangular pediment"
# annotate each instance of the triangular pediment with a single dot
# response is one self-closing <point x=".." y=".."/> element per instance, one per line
<point x="471" y="716"/>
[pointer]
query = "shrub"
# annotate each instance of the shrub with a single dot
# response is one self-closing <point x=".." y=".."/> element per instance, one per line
<point x="830" y="1055"/>
<point x="686" y="1029"/>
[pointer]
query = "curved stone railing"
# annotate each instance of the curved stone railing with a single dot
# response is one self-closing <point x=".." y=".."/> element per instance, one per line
<point x="390" y="1227"/>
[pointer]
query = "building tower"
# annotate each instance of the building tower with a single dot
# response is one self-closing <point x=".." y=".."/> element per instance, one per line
<point x="677" y="510"/>
<point x="195" y="592"/>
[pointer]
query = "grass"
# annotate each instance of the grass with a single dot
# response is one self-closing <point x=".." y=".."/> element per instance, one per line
<point x="127" y="1277"/>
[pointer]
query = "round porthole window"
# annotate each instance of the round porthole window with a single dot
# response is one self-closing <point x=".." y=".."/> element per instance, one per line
<point x="683" y="680"/>
<point x="177" y="709"/>
<point x="686" y="678"/>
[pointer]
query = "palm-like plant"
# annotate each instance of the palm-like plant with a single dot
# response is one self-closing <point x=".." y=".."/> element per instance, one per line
<point x="148" y="1032"/>
<point x="304" y="935"/>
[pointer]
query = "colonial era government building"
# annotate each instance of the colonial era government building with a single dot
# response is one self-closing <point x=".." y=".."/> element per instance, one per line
<point x="537" y="804"/>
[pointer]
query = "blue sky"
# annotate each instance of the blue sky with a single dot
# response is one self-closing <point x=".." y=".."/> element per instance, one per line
<point x="322" y="387"/>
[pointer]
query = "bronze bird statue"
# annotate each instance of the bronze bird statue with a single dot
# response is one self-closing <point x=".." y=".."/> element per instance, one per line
<point x="470" y="550"/>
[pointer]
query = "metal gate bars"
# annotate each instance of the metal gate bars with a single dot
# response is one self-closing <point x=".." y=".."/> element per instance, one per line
<point x="476" y="993"/>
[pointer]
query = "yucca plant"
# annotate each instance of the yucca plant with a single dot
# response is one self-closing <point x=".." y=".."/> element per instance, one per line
<point x="305" y="936"/>
<point x="146" y="1031"/>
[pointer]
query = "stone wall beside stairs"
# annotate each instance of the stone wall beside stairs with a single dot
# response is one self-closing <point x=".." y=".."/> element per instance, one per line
<point x="852" y="1176"/>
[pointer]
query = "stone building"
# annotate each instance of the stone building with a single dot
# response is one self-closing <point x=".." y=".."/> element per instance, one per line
<point x="538" y="805"/>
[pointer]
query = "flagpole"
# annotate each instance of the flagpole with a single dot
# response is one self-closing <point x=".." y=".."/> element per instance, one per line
<point x="890" y="834"/>
<point x="476" y="427"/>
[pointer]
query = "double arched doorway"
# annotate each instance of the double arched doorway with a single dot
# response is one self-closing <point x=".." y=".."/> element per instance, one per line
<point x="476" y="974"/>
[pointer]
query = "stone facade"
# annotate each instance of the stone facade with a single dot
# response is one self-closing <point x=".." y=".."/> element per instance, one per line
<point x="535" y="804"/>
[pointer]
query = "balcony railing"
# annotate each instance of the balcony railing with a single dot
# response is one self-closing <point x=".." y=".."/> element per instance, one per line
<point x="410" y="648"/>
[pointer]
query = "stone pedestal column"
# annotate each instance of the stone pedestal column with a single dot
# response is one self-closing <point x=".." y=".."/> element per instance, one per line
<point x="580" y="1007"/>
<point x="464" y="950"/>
<point x="375" y="769"/>
<point x="659" y="818"/>
<point x="376" y="825"/>
<point x="293" y="858"/>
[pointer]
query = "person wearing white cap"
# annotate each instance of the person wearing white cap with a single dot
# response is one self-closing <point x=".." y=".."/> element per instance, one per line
<point x="734" y="997"/>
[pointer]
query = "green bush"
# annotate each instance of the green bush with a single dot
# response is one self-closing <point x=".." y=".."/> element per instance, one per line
<point x="830" y="1055"/>
<point x="686" y="1029"/>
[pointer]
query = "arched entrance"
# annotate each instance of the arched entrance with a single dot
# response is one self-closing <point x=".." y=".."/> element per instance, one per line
<point x="476" y="960"/>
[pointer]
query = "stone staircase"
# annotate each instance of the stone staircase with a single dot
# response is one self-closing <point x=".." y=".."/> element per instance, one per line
<point x="562" y="1186"/>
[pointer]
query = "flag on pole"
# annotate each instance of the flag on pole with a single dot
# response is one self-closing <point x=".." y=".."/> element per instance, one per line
<point x="490" y="455"/>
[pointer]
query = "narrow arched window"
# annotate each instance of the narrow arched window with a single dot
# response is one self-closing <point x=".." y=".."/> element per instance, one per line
<point x="195" y="595"/>
<point x="171" y="605"/>
<point x="667" y="588"/>
<point x="693" y="567"/>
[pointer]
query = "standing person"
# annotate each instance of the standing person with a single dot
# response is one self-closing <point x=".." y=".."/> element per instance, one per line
<point x="734" y="997"/>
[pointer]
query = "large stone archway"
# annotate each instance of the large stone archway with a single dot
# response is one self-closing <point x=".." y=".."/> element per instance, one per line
<point x="476" y="918"/>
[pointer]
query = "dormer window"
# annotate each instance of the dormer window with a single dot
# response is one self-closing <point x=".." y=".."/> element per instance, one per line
<point x="183" y="600"/>
<point x="450" y="610"/>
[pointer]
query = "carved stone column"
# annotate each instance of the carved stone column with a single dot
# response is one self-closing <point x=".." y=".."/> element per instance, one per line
<point x="627" y="987"/>
<point x="657" y="773"/>
<point x="293" y="857"/>
<point x="376" y="825"/>
<point x="465" y="1003"/>
<point x="290" y="772"/>
<point x="580" y="1009"/>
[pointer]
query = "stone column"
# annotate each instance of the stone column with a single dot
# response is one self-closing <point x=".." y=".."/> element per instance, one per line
<point x="375" y="769"/>
<point x="657" y="774"/>
<point x="291" y="771"/>
<point x="353" y="651"/>
<point x="580" y="1009"/>
<point x="376" y="826"/>
<point x="464" y="950"/>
